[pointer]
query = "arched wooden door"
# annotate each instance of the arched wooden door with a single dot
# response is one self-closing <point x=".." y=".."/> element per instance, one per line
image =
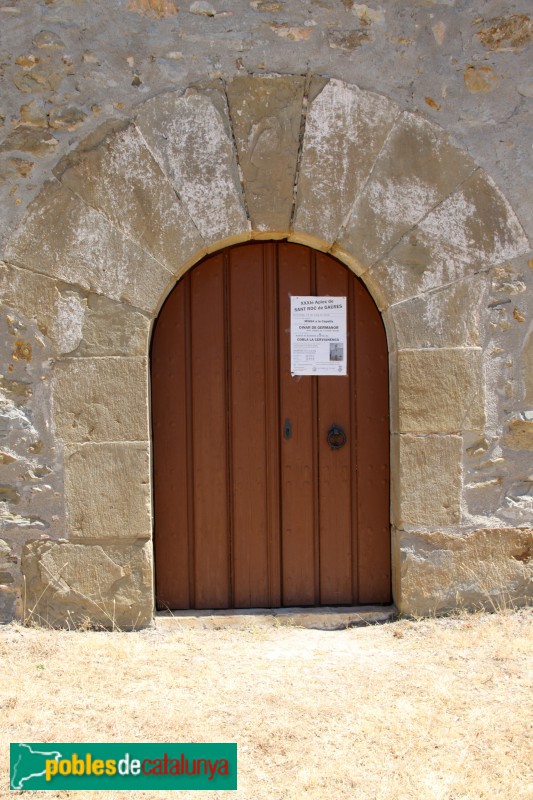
<point x="252" y="506"/>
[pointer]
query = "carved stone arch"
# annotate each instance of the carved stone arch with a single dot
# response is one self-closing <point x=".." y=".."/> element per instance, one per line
<point x="137" y="203"/>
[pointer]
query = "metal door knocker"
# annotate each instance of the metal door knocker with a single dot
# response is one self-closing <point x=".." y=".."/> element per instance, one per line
<point x="336" y="437"/>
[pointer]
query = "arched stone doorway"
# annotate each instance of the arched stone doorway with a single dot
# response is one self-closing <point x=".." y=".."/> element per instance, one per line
<point x="253" y="506"/>
<point x="316" y="162"/>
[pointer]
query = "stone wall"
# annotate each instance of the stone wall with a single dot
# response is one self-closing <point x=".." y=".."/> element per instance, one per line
<point x="139" y="136"/>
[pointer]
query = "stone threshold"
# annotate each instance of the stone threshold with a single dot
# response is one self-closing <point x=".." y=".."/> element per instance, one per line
<point x="325" y="618"/>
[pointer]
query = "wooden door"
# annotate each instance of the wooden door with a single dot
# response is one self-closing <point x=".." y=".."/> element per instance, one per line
<point x="253" y="508"/>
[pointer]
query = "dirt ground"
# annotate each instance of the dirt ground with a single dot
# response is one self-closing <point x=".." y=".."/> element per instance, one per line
<point x="432" y="709"/>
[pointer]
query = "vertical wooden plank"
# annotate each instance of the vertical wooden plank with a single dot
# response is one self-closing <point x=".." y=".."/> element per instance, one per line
<point x="316" y="492"/>
<point x="209" y="435"/>
<point x="334" y="466"/>
<point x="273" y="424"/>
<point x="297" y="467"/>
<point x="248" y="427"/>
<point x="169" y="427"/>
<point x="354" y="438"/>
<point x="373" y="451"/>
<point x="190" y="452"/>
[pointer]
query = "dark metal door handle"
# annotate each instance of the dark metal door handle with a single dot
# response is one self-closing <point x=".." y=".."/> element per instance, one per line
<point x="336" y="437"/>
<point x="287" y="429"/>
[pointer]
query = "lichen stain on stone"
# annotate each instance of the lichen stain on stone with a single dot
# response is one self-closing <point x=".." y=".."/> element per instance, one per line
<point x="48" y="40"/>
<point x="518" y="316"/>
<point x="18" y="392"/>
<point x="198" y="156"/>
<point x="403" y="197"/>
<point x="67" y="119"/>
<point x="264" y="140"/>
<point x="37" y="473"/>
<point x="520" y="435"/>
<point x="66" y="582"/>
<point x="439" y="32"/>
<point x="38" y="79"/>
<point x="7" y="560"/>
<point x="505" y="280"/>
<point x="507" y="33"/>
<point x="202" y="8"/>
<point x="122" y="179"/>
<point x="441" y="570"/>
<point x="8" y="494"/>
<point x="479" y="447"/>
<point x="68" y="325"/>
<point x="525" y="556"/>
<point x="432" y="103"/>
<point x="480" y="79"/>
<point x="518" y="501"/>
<point x="14" y="325"/>
<point x="73" y="568"/>
<point x="22" y="351"/>
<point x="367" y="16"/>
<point x="27" y="62"/>
<point x="29" y="139"/>
<point x="343" y="123"/>
<point x="291" y="33"/>
<point x="157" y="9"/>
<point x="18" y="166"/>
<point x="8" y="519"/>
<point x="266" y="5"/>
<point x="477" y="223"/>
<point x="348" y="42"/>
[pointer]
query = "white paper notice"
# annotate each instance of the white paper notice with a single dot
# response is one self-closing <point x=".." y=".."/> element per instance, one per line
<point x="318" y="335"/>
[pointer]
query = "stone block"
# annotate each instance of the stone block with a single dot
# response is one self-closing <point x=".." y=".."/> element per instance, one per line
<point x="416" y="169"/>
<point x="190" y="139"/>
<point x="65" y="238"/>
<point x="112" y="329"/>
<point x="472" y="229"/>
<point x="107" y="490"/>
<point x="440" y="390"/>
<point x="32" y="295"/>
<point x="427" y="480"/>
<point x="344" y="131"/>
<point x="28" y="139"/>
<point x="91" y="325"/>
<point x="8" y="603"/>
<point x="8" y="563"/>
<point x="447" y="317"/>
<point x="101" y="399"/>
<point x="68" y="584"/>
<point x="31" y="471"/>
<point x="121" y="178"/>
<point x="156" y="9"/>
<point x="57" y="311"/>
<point x="486" y="569"/>
<point x="266" y="113"/>
<point x="527" y="360"/>
<point x="517" y="503"/>
<point x="519" y="435"/>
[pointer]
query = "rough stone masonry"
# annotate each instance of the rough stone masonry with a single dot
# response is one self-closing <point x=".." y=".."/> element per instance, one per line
<point x="139" y="135"/>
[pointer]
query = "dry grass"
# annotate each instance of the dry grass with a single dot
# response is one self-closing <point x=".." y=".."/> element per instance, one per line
<point x="436" y="710"/>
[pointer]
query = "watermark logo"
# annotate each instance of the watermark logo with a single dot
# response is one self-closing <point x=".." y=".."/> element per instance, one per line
<point x="123" y="766"/>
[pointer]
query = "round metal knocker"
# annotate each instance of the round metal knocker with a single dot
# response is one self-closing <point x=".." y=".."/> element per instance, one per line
<point x="336" y="437"/>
